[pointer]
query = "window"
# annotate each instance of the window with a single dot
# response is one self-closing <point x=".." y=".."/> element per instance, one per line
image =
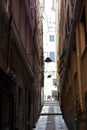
<point x="55" y="82"/>
<point x="51" y="38"/>
<point x="53" y="73"/>
<point x="52" y="56"/>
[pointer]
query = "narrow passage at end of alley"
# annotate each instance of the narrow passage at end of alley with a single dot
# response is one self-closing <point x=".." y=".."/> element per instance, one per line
<point x="51" y="117"/>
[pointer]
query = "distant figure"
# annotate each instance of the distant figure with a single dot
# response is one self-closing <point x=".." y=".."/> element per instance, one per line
<point x="49" y="98"/>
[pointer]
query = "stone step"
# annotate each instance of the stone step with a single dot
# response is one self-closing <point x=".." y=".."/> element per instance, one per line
<point x="44" y="114"/>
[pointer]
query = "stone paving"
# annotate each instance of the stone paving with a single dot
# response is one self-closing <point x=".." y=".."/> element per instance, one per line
<point x="51" y="118"/>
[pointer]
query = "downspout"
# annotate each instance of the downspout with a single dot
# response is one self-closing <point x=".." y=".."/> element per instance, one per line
<point x="9" y="42"/>
<point x="34" y="75"/>
<point x="9" y="35"/>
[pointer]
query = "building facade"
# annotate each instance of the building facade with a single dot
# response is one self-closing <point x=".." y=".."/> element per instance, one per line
<point x="49" y="47"/>
<point x="72" y="62"/>
<point x="20" y="64"/>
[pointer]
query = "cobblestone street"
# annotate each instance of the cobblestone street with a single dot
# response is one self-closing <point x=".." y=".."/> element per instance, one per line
<point x="51" y="118"/>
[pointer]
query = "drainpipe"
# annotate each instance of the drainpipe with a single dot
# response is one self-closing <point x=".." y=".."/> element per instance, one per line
<point x="9" y="35"/>
<point x="34" y="84"/>
<point x="34" y="89"/>
<point x="9" y="41"/>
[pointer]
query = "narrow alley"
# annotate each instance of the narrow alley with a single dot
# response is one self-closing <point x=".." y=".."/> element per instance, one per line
<point x="43" y="64"/>
<point x="51" y="117"/>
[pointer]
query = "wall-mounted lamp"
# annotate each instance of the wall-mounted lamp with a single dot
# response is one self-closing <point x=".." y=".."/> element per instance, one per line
<point x="49" y="76"/>
<point x="42" y="17"/>
<point x="48" y="60"/>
